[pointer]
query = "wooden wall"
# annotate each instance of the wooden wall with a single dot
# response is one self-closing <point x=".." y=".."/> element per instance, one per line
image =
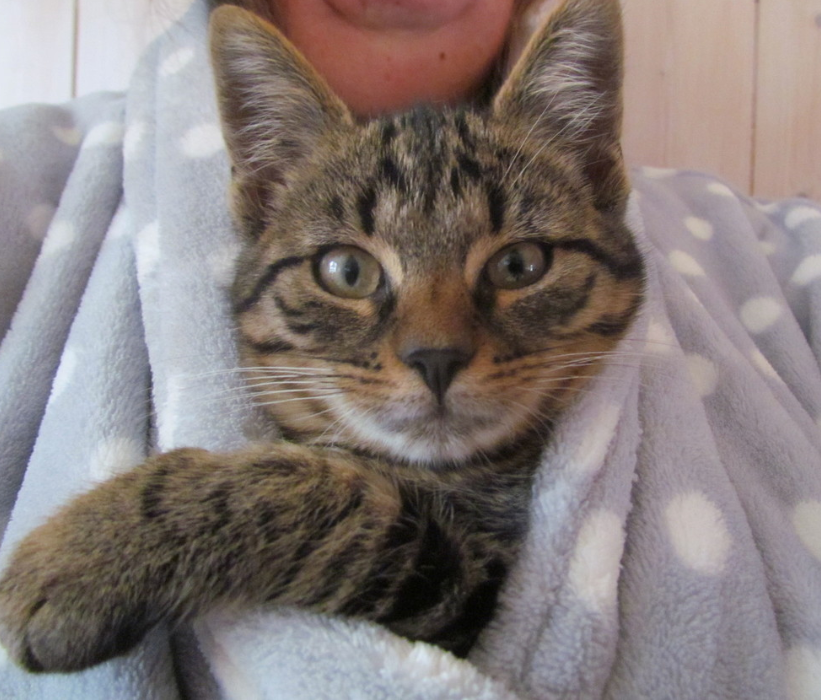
<point x="728" y="86"/>
<point x="732" y="87"/>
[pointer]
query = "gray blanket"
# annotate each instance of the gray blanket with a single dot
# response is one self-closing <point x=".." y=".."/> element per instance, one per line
<point x="676" y="541"/>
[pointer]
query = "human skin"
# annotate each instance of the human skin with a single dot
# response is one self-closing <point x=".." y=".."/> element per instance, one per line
<point x="388" y="55"/>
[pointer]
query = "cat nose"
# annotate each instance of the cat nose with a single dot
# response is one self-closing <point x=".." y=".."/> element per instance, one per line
<point x="437" y="366"/>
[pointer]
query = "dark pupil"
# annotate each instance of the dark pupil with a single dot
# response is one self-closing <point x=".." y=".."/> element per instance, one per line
<point x="351" y="271"/>
<point x="515" y="265"/>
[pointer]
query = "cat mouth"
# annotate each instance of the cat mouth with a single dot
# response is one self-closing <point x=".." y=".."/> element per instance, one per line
<point x="434" y="434"/>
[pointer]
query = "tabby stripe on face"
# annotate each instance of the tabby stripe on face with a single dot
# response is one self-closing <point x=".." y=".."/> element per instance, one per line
<point x="391" y="172"/>
<point x="455" y="183"/>
<point x="365" y="205"/>
<point x="469" y="166"/>
<point x="496" y="206"/>
<point x="608" y="325"/>
<point x="336" y="208"/>
<point x="463" y="130"/>
<point x="267" y="279"/>
<point x="615" y="324"/>
<point x="270" y="347"/>
<point x="388" y="132"/>
<point x="286" y="310"/>
<point x="620" y="270"/>
<point x="302" y="328"/>
<point x="564" y="304"/>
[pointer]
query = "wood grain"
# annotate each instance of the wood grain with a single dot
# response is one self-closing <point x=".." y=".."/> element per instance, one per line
<point x="36" y="51"/>
<point x="689" y="85"/>
<point x="111" y="36"/>
<point x="788" y="115"/>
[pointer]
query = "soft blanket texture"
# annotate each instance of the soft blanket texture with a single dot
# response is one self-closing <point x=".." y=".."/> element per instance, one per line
<point x="676" y="542"/>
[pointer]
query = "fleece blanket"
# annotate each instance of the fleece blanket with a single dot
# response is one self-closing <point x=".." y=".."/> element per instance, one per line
<point x="675" y="549"/>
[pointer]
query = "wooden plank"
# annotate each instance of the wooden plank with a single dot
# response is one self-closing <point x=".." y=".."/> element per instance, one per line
<point x="689" y="85"/>
<point x="788" y="114"/>
<point x="36" y="51"/>
<point x="112" y="35"/>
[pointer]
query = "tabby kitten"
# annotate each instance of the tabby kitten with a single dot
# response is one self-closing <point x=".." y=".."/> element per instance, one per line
<point x="420" y="297"/>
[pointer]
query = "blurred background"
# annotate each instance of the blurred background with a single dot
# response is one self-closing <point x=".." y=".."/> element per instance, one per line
<point x="731" y="87"/>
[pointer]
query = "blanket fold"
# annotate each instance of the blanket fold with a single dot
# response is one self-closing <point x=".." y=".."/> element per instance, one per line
<point x="675" y="548"/>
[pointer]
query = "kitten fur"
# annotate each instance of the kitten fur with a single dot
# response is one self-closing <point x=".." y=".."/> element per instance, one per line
<point x="420" y="297"/>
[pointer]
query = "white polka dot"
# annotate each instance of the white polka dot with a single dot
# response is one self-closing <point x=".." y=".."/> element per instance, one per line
<point x="657" y="173"/>
<point x="113" y="457"/>
<point x="720" y="189"/>
<point x="768" y="247"/>
<point x="148" y="250"/>
<point x="68" y="135"/>
<point x="589" y="454"/>
<point x="39" y="219"/>
<point x="806" y="519"/>
<point x="760" y="313"/>
<point x="594" y="569"/>
<point x="176" y="61"/>
<point x="763" y="364"/>
<point x="704" y="374"/>
<point x="659" y="339"/>
<point x="222" y="263"/>
<point x="808" y="271"/>
<point x="801" y="215"/>
<point x="685" y="263"/>
<point x="65" y="373"/>
<point x="61" y="234"/>
<point x="203" y="141"/>
<point x="134" y="136"/>
<point x="803" y="665"/>
<point x="105" y="134"/>
<point x="700" y="228"/>
<point x="697" y="532"/>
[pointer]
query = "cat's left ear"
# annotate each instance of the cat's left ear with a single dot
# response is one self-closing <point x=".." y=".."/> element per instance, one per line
<point x="566" y="91"/>
<point x="275" y="109"/>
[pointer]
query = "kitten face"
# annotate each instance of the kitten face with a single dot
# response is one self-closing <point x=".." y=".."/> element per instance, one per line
<point x="432" y="285"/>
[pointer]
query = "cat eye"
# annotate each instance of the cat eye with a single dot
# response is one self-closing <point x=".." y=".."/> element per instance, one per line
<point x="349" y="272"/>
<point x="519" y="265"/>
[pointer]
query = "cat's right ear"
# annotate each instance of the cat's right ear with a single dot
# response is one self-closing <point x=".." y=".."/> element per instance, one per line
<point x="275" y="109"/>
<point x="566" y="91"/>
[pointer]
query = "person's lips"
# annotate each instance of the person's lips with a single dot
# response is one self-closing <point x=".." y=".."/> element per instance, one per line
<point x="400" y="14"/>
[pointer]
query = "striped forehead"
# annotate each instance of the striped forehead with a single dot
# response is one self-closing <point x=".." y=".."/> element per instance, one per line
<point x="423" y="175"/>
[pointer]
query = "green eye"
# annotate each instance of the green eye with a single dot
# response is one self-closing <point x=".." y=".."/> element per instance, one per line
<point x="349" y="272"/>
<point x="517" y="266"/>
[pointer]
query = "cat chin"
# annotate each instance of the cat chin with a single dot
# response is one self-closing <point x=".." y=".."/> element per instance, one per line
<point x="440" y="442"/>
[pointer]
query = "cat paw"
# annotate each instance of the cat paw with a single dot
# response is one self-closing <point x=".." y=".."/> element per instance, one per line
<point x="57" y="615"/>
